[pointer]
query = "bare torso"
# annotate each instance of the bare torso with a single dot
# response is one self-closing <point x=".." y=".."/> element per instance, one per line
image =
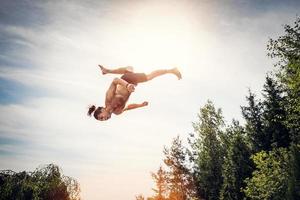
<point x="119" y="100"/>
<point x="120" y="89"/>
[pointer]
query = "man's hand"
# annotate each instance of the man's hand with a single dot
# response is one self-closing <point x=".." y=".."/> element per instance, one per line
<point x="145" y="103"/>
<point x="130" y="87"/>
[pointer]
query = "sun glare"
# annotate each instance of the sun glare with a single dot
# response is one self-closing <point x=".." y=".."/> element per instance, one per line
<point x="158" y="34"/>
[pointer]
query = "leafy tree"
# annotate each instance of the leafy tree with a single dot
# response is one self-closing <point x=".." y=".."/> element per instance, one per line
<point x="270" y="180"/>
<point x="44" y="183"/>
<point x="237" y="165"/>
<point x="286" y="48"/>
<point x="208" y="152"/>
<point x="294" y="181"/>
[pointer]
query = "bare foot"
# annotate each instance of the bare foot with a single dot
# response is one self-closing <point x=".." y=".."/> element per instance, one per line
<point x="177" y="73"/>
<point x="103" y="69"/>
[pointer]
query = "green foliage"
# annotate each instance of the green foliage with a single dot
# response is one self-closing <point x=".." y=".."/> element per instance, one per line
<point x="45" y="183"/>
<point x="294" y="181"/>
<point x="237" y="165"/>
<point x="287" y="49"/>
<point x="254" y="125"/>
<point x="219" y="161"/>
<point x="266" y="120"/>
<point x="270" y="180"/>
<point x="208" y="152"/>
<point x="274" y="115"/>
<point x="278" y="176"/>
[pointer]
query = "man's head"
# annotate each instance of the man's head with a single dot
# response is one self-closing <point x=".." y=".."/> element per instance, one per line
<point x="100" y="113"/>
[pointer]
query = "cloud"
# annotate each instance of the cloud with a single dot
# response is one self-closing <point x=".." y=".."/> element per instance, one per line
<point x="219" y="47"/>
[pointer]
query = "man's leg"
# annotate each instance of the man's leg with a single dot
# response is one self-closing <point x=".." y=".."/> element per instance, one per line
<point x="161" y="72"/>
<point x="121" y="70"/>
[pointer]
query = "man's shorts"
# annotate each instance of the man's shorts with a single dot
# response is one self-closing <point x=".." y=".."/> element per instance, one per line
<point x="134" y="78"/>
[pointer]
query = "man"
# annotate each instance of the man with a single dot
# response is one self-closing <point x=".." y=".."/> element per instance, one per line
<point x="120" y="89"/>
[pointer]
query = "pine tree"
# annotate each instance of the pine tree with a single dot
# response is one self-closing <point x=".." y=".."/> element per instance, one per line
<point x="254" y="125"/>
<point x="274" y="116"/>
<point x="237" y="165"/>
<point x="179" y="179"/>
<point x="160" y="179"/>
<point x="208" y="152"/>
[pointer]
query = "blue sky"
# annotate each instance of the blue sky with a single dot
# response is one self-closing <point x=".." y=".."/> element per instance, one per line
<point x="49" y="53"/>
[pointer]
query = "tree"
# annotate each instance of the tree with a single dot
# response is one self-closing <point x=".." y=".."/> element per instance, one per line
<point x="254" y="125"/>
<point x="237" y="165"/>
<point x="139" y="197"/>
<point x="274" y="116"/>
<point x="160" y="179"/>
<point x="178" y="176"/>
<point x="270" y="179"/>
<point x="294" y="181"/>
<point x="286" y="48"/>
<point x="44" y="183"/>
<point x="208" y="152"/>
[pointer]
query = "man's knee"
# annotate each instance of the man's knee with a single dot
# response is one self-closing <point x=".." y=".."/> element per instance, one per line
<point x="129" y="69"/>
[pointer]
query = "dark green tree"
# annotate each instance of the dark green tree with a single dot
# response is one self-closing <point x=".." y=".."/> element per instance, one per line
<point x="254" y="125"/>
<point x="207" y="152"/>
<point x="237" y="165"/>
<point x="274" y="116"/>
<point x="45" y="183"/>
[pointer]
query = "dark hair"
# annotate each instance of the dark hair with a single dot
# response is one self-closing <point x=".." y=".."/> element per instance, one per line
<point x="97" y="111"/>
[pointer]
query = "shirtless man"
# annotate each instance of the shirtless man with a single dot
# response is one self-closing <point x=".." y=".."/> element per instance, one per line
<point x="120" y="89"/>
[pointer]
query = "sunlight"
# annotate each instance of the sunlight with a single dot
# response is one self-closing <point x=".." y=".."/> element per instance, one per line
<point x="157" y="34"/>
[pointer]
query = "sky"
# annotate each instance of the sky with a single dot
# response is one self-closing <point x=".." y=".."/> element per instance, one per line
<point x="49" y="52"/>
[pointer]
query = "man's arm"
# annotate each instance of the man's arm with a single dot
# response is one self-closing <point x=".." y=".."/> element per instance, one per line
<point x="113" y="86"/>
<point x="133" y="106"/>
